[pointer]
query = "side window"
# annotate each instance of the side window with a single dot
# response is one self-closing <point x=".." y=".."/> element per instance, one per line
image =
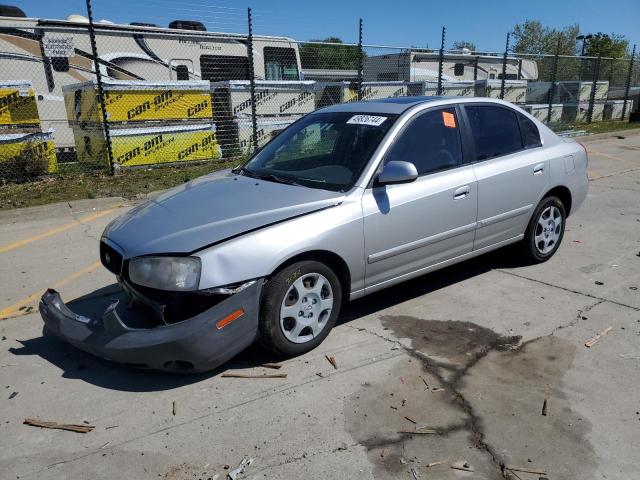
<point x="216" y="68"/>
<point x="182" y="72"/>
<point x="60" y="64"/>
<point x="530" y="133"/>
<point x="431" y="142"/>
<point x="458" y="69"/>
<point x="495" y="130"/>
<point x="280" y="63"/>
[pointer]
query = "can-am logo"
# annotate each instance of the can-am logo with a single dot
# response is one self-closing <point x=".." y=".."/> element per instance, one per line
<point x="145" y="106"/>
<point x="134" y="152"/>
<point x="302" y="98"/>
<point x="203" y="144"/>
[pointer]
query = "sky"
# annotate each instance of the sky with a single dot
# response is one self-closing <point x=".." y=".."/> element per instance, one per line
<point x="400" y="23"/>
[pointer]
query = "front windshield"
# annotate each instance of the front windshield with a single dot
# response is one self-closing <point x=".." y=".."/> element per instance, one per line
<point x="322" y="150"/>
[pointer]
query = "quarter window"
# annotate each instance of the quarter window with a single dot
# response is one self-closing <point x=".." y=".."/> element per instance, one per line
<point x="182" y="72"/>
<point x="458" y="69"/>
<point x="431" y="142"/>
<point x="530" y="134"/>
<point x="495" y="131"/>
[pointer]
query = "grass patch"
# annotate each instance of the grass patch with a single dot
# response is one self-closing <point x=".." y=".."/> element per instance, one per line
<point x="595" y="127"/>
<point x="128" y="184"/>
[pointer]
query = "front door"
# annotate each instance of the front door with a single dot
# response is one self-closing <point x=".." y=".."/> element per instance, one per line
<point x="409" y="227"/>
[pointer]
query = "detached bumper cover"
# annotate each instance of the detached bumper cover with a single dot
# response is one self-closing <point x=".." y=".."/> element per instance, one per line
<point x="193" y="345"/>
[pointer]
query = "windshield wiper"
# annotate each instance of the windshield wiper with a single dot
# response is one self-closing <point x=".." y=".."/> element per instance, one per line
<point x="275" y="178"/>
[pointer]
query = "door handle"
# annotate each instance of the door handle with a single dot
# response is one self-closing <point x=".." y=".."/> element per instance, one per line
<point x="461" y="192"/>
<point x="538" y="169"/>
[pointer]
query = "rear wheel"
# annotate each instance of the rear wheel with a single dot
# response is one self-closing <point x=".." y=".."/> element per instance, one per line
<point x="299" y="307"/>
<point x="545" y="231"/>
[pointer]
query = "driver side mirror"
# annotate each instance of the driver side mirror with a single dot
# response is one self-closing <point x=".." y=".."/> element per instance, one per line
<point x="396" y="172"/>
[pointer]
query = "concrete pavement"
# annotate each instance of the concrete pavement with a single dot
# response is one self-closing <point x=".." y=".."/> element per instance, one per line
<point x="469" y="353"/>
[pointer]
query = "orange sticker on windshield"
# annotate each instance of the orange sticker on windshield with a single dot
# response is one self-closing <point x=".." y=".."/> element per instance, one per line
<point x="449" y="119"/>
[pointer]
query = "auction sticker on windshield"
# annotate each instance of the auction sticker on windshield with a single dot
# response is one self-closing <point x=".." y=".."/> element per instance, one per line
<point x="373" y="120"/>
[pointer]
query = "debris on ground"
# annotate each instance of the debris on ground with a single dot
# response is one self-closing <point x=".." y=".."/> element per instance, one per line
<point x="435" y="464"/>
<point x="34" y="422"/>
<point x="111" y="426"/>
<point x="13" y="395"/>
<point x="410" y="420"/>
<point x="544" y="408"/>
<point x="598" y="282"/>
<point x="414" y="473"/>
<point x="173" y="408"/>
<point x="425" y="382"/>
<point x="274" y="366"/>
<point x="464" y="466"/>
<point x="332" y="361"/>
<point x="591" y="342"/>
<point x="435" y="390"/>
<point x="526" y="470"/>
<point x="233" y="474"/>
<point x="244" y="375"/>
<point x="105" y="445"/>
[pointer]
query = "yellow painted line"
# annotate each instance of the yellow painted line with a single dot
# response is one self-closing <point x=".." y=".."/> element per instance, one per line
<point x="14" y="310"/>
<point x="606" y="155"/>
<point x="54" y="231"/>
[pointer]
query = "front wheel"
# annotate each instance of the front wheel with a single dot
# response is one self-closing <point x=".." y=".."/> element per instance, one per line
<point x="299" y="307"/>
<point x="545" y="230"/>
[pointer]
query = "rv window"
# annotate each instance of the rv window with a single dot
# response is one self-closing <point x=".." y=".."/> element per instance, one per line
<point x="182" y="72"/>
<point x="217" y="68"/>
<point x="60" y="64"/>
<point x="280" y="64"/>
<point x="387" y="76"/>
<point x="458" y="69"/>
<point x="508" y="76"/>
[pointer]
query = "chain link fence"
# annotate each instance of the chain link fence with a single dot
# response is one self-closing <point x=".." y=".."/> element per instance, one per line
<point x="87" y="96"/>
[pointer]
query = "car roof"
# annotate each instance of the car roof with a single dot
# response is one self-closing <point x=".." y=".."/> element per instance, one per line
<point x="384" y="105"/>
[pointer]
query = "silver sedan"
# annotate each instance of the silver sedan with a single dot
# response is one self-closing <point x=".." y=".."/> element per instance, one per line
<point x="345" y="202"/>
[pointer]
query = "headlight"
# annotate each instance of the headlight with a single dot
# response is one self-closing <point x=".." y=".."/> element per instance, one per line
<point x="166" y="273"/>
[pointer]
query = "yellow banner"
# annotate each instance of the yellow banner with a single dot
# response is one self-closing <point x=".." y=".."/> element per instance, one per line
<point x="147" y="146"/>
<point x="137" y="105"/>
<point x="18" y="107"/>
<point x="29" y="148"/>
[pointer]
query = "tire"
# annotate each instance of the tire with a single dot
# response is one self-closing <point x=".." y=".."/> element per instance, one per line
<point x="539" y="245"/>
<point x="299" y="307"/>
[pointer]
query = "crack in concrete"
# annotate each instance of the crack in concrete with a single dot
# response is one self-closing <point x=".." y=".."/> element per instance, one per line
<point x="577" y="318"/>
<point x="577" y="292"/>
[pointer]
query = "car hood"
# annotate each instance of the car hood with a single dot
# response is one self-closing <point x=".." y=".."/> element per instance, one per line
<point x="209" y="210"/>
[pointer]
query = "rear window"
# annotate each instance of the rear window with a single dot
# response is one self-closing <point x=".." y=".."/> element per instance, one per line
<point x="530" y="133"/>
<point x="495" y="130"/>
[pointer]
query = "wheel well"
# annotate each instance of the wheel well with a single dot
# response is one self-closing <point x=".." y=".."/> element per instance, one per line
<point x="330" y="259"/>
<point x="564" y="194"/>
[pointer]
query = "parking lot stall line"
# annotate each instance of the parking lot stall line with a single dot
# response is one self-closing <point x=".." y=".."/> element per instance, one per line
<point x="21" y="306"/>
<point x="54" y="231"/>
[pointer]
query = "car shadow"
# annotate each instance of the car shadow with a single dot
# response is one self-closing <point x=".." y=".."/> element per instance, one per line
<point x="78" y="365"/>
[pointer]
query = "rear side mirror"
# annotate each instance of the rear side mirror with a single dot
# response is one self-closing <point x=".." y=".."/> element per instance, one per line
<point x="397" y="172"/>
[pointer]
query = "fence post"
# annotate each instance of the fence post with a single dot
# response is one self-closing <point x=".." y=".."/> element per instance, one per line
<point x="440" y="61"/>
<point x="252" y="82"/>
<point x="100" y="97"/>
<point x="475" y="68"/>
<point x="592" y="97"/>
<point x="552" y="87"/>
<point x="628" y="84"/>
<point x="504" y="68"/>
<point x="360" y="60"/>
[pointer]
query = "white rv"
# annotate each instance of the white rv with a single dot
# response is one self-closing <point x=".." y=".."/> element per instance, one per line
<point x="54" y="53"/>
<point x="414" y="66"/>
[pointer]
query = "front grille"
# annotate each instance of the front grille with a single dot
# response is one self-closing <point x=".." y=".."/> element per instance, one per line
<point x="111" y="258"/>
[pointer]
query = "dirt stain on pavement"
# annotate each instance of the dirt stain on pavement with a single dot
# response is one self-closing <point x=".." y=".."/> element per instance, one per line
<point x="481" y="394"/>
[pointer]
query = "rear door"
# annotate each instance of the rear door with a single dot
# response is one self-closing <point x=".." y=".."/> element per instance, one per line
<point x="511" y="170"/>
<point x="411" y="226"/>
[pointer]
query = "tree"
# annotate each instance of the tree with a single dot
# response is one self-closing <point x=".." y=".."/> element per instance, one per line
<point x="534" y="38"/>
<point x="460" y="44"/>
<point x="318" y="55"/>
<point x="601" y="44"/>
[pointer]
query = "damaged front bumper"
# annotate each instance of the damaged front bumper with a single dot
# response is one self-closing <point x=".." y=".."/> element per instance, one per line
<point x="197" y="344"/>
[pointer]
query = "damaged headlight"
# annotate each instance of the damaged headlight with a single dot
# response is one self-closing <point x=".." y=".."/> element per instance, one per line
<point x="166" y="273"/>
<point x="228" y="289"/>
